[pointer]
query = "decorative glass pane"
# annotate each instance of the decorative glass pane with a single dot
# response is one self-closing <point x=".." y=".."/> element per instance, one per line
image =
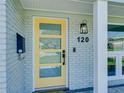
<point x="50" y="71"/>
<point x="50" y="43"/>
<point x="123" y="65"/>
<point x="111" y="66"/>
<point x="49" y="58"/>
<point x="50" y="29"/>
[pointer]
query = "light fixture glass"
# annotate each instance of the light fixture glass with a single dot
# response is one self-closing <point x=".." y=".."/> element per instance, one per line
<point x="83" y="27"/>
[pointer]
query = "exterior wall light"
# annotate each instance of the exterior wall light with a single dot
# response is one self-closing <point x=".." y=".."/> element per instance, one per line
<point x="83" y="27"/>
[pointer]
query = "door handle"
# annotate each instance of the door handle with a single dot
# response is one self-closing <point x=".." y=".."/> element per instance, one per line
<point x="63" y="56"/>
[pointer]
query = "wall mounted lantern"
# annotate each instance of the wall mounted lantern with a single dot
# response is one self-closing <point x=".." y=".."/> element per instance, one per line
<point x="83" y="27"/>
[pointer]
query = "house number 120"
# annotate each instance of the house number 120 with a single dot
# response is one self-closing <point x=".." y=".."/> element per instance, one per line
<point x="83" y="39"/>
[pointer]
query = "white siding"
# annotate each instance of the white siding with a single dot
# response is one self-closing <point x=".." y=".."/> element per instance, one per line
<point x="2" y="47"/>
<point x="15" y="68"/>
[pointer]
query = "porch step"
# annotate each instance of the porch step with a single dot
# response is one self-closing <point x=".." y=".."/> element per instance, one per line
<point x="57" y="90"/>
<point x="52" y="92"/>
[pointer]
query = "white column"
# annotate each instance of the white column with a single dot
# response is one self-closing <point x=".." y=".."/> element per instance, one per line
<point x="100" y="16"/>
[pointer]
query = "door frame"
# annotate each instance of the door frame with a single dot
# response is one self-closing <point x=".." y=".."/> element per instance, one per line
<point x="67" y="47"/>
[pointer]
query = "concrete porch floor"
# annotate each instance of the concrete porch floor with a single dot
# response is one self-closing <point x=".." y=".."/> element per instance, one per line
<point x="111" y="90"/>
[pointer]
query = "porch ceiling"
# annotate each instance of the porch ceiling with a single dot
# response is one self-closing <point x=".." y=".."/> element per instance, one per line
<point x="72" y="6"/>
<point x="58" y="5"/>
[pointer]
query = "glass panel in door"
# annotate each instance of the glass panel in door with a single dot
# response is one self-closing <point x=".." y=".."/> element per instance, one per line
<point x="50" y="57"/>
<point x="50" y="29"/>
<point x="49" y="71"/>
<point x="50" y="43"/>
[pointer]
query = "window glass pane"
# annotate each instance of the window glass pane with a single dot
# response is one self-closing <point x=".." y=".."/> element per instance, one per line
<point x="123" y="65"/>
<point x="115" y="38"/>
<point x="50" y="71"/>
<point x="111" y="66"/>
<point x="50" y="29"/>
<point x="115" y="44"/>
<point x="50" y="57"/>
<point x="50" y="43"/>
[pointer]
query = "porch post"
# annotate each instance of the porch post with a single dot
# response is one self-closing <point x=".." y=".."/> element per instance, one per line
<point x="100" y="16"/>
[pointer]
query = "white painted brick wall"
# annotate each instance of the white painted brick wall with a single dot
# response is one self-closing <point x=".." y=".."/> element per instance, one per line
<point x="80" y="63"/>
<point x="2" y="47"/>
<point x="15" y="68"/>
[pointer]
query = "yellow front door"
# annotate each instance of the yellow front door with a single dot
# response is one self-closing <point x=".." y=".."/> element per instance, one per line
<point x="50" y="52"/>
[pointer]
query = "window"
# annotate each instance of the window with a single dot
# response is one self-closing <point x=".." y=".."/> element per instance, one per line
<point x="115" y="38"/>
<point x="111" y="66"/>
<point x="116" y="51"/>
<point x="123" y="65"/>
